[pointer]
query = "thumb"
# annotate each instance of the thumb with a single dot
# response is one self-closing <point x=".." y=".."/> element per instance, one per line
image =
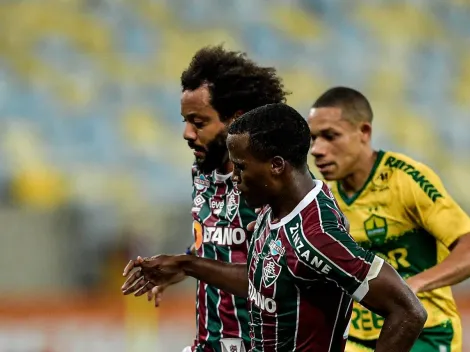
<point x="155" y="291"/>
<point x="251" y="226"/>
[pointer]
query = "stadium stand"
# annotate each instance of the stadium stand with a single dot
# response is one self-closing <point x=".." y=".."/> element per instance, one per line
<point x="89" y="97"/>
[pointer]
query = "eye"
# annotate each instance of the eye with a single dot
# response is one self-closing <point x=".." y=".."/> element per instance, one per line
<point x="330" y="136"/>
<point x="199" y="125"/>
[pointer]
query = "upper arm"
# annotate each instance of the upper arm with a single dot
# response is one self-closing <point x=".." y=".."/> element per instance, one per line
<point x="325" y="249"/>
<point x="388" y="293"/>
<point x="432" y="207"/>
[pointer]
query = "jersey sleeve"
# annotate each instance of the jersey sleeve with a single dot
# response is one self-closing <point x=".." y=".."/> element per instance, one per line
<point x="324" y="250"/>
<point x="431" y="207"/>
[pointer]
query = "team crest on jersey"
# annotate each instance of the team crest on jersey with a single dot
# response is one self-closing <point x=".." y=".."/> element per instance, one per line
<point x="201" y="182"/>
<point x="232" y="345"/>
<point x="271" y="271"/>
<point x="376" y="229"/>
<point x="233" y="202"/>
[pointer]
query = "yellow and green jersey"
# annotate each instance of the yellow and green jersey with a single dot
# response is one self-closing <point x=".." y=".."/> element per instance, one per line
<point x="404" y="214"/>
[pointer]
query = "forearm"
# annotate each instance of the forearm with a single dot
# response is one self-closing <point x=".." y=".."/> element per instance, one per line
<point x="451" y="271"/>
<point x="404" y="314"/>
<point x="232" y="278"/>
<point x="442" y="275"/>
<point x="400" y="331"/>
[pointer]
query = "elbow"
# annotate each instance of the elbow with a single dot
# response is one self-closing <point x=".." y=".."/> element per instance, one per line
<point x="422" y="315"/>
<point x="417" y="315"/>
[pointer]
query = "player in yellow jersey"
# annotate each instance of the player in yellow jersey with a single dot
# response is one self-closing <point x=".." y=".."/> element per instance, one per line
<point x="398" y="208"/>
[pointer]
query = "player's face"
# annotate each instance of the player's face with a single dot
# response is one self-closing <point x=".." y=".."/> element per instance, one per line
<point x="252" y="176"/>
<point x="336" y="142"/>
<point x="204" y="131"/>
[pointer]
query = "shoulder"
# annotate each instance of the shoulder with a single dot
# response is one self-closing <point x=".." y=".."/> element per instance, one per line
<point x="412" y="176"/>
<point x="321" y="214"/>
<point x="405" y="165"/>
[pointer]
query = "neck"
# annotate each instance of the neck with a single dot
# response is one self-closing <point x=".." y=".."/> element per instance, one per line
<point x="293" y="191"/>
<point x="225" y="168"/>
<point x="363" y="167"/>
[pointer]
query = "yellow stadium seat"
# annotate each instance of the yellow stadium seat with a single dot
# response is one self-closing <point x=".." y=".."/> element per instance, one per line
<point x="142" y="131"/>
<point x="462" y="85"/>
<point x="399" y="22"/>
<point x="156" y="13"/>
<point x="304" y="88"/>
<point x="386" y="84"/>
<point x="295" y="22"/>
<point x="176" y="53"/>
<point x="40" y="187"/>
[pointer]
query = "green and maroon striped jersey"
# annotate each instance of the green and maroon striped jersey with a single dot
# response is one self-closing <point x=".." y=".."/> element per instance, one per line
<point x="220" y="218"/>
<point x="304" y="272"/>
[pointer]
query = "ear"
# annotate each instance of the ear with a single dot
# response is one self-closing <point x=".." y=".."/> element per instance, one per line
<point x="366" y="131"/>
<point x="278" y="165"/>
<point x="237" y="115"/>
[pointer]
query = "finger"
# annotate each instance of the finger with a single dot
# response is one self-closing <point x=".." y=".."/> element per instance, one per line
<point x="158" y="299"/>
<point x="131" y="280"/>
<point x="251" y="226"/>
<point x="154" y="291"/>
<point x="150" y="295"/>
<point x="132" y="264"/>
<point x="134" y="286"/>
<point x="157" y="294"/>
<point x="257" y="210"/>
<point x="145" y="286"/>
<point x="128" y="268"/>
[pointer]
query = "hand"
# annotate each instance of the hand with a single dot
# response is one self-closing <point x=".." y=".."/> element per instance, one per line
<point x="162" y="270"/>
<point x="156" y="294"/>
<point x="415" y="284"/>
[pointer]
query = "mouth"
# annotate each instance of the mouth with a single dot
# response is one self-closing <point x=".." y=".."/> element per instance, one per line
<point x="324" y="167"/>
<point x="198" y="153"/>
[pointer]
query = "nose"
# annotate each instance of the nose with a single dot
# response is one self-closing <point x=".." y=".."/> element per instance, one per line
<point x="318" y="148"/>
<point x="189" y="133"/>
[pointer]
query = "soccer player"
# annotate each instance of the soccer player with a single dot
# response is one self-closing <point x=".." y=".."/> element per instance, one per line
<point x="399" y="209"/>
<point x="303" y="267"/>
<point x="217" y="87"/>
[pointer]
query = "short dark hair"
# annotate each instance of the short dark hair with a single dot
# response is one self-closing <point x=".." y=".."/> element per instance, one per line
<point x="235" y="82"/>
<point x="354" y="105"/>
<point x="275" y="130"/>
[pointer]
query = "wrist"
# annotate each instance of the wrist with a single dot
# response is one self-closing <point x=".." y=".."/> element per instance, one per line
<point x="185" y="262"/>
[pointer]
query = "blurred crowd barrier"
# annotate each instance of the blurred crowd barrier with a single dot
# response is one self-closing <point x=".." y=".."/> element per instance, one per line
<point x="93" y="167"/>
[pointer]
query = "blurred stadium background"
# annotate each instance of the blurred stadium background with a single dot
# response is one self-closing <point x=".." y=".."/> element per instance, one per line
<point x="93" y="167"/>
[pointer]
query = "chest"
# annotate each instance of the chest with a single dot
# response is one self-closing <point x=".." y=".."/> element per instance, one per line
<point x="220" y="216"/>
<point x="268" y="271"/>
<point x="376" y="215"/>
